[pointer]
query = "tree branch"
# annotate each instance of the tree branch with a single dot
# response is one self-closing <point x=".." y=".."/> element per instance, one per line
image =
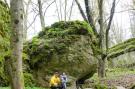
<point x="48" y="7"/>
<point x="109" y="24"/>
<point x="32" y="21"/>
<point x="101" y="33"/>
<point x="81" y="10"/>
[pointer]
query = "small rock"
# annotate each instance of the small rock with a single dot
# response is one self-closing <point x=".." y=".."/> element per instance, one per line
<point x="120" y="87"/>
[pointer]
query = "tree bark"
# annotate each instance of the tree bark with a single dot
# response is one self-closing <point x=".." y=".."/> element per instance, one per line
<point x="101" y="67"/>
<point x="41" y="14"/>
<point x="17" y="17"/>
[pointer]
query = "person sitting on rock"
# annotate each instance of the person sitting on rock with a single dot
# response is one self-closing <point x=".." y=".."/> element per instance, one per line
<point x="55" y="81"/>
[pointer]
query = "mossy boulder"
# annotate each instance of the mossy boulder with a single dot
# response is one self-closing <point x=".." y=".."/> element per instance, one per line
<point x="63" y="47"/>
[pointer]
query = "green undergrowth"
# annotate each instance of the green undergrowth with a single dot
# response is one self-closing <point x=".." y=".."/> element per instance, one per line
<point x="25" y="88"/>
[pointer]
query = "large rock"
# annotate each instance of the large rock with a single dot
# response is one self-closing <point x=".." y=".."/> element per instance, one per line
<point x="64" y="47"/>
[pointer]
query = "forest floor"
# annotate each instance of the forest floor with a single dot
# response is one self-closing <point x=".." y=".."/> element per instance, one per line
<point x="118" y="77"/>
<point x="25" y="88"/>
<point x="126" y="81"/>
<point x="122" y="78"/>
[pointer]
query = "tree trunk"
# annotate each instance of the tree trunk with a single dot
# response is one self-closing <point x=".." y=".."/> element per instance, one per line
<point x="41" y="14"/>
<point x="17" y="17"/>
<point x="101" y="67"/>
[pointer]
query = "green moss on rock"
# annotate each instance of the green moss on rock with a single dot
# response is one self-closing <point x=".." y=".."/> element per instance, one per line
<point x="64" y="47"/>
<point x="121" y="48"/>
<point x="66" y="28"/>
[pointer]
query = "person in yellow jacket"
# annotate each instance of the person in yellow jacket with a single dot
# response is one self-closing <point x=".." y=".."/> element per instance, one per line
<point x="55" y="81"/>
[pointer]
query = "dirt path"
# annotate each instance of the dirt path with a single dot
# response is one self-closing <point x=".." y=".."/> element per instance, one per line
<point x="125" y="81"/>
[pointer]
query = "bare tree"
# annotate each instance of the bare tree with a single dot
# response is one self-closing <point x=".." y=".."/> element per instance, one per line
<point x="26" y="19"/>
<point x="41" y="14"/>
<point x="57" y="10"/>
<point x="60" y="7"/>
<point x="71" y="9"/>
<point x="17" y="22"/>
<point x="132" y="18"/>
<point x="65" y="11"/>
<point x="109" y="23"/>
<point x="102" y="36"/>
